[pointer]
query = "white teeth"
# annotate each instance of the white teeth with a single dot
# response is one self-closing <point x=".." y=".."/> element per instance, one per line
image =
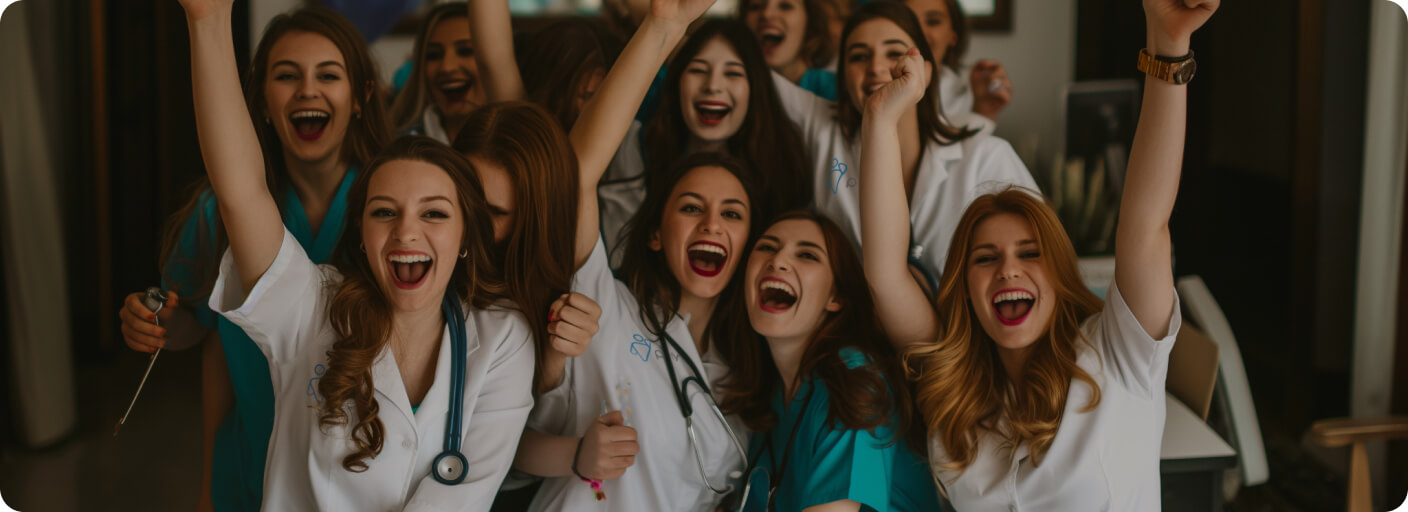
<point x="453" y="85"/>
<point x="701" y="246"/>
<point x="309" y="114"/>
<point x="713" y="108"/>
<point x="408" y="258"/>
<point x="1012" y="295"/>
<point x="779" y="285"/>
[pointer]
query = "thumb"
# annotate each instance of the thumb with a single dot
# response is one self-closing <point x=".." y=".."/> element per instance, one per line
<point x="612" y="419"/>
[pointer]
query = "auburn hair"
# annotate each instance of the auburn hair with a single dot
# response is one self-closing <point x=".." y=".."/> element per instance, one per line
<point x="359" y="311"/>
<point x="414" y="98"/>
<point x="559" y="60"/>
<point x="862" y="398"/>
<point x="767" y="143"/>
<point x="536" y="260"/>
<point x="814" y="35"/>
<point x="648" y="275"/>
<point x="366" y="134"/>
<point x="962" y="388"/>
<point x="848" y="110"/>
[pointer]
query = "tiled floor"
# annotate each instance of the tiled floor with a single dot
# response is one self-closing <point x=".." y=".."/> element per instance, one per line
<point x="152" y="465"/>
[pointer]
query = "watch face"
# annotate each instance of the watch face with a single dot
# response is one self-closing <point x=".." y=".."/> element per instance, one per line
<point x="1185" y="72"/>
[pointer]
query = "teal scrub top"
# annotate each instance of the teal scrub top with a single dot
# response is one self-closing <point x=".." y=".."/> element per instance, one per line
<point x="242" y="441"/>
<point x="829" y="463"/>
<point x="820" y="82"/>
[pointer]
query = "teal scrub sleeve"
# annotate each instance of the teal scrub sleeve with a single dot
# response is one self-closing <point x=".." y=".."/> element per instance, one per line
<point x="195" y="251"/>
<point x="820" y="82"/>
<point x="848" y="465"/>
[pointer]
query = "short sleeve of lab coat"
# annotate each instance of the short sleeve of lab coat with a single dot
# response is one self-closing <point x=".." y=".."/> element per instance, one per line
<point x="285" y="307"/>
<point x="1131" y="356"/>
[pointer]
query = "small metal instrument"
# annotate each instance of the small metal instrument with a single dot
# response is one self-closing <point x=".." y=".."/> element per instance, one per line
<point x="154" y="300"/>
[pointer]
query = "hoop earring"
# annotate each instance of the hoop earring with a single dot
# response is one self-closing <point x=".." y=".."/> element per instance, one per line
<point x="464" y="253"/>
<point x="362" y="246"/>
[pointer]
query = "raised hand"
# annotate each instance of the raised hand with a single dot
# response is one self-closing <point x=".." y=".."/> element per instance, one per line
<point x="992" y="91"/>
<point x="1172" y="22"/>
<point x="607" y="449"/>
<point x="681" y="12"/>
<point x="197" y="9"/>
<point x="910" y="80"/>
<point x="573" y="321"/>
<point x="139" y="329"/>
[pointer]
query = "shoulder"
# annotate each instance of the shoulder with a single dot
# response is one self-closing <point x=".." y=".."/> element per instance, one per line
<point x="500" y="322"/>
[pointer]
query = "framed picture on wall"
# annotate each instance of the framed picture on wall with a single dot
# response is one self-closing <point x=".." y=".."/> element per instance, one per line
<point x="988" y="15"/>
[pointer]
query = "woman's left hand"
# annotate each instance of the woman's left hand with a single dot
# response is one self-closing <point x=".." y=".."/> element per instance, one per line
<point x="1171" y="23"/>
<point x="573" y="321"/>
<point x="992" y="91"/>
<point x="910" y="79"/>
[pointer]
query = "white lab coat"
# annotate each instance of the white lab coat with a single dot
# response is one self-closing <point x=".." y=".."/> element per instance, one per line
<point x="949" y="176"/>
<point x="621" y="192"/>
<point x="624" y="368"/>
<point x="286" y="315"/>
<point x="1103" y="460"/>
<point x="956" y="101"/>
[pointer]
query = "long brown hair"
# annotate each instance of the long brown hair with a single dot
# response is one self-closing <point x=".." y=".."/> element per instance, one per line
<point x="861" y="397"/>
<point x="558" y="61"/>
<point x="767" y="142"/>
<point x="365" y="135"/>
<point x="814" y="36"/>
<point x="962" y="387"/>
<point x="931" y="123"/>
<point x="648" y="275"/>
<point x="953" y="57"/>
<point x="359" y="311"/>
<point x="537" y="261"/>
<point x="414" y="98"/>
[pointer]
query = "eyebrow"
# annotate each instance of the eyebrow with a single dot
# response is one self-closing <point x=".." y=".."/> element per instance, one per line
<point x="423" y="199"/>
<point x="803" y="243"/>
<point x="994" y="246"/>
<point x="320" y="64"/>
<point x="701" y="199"/>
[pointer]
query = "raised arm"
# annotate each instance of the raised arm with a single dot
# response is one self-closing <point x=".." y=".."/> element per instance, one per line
<point x="608" y="115"/>
<point x="228" y="142"/>
<point x="900" y="304"/>
<point x="1143" y="266"/>
<point x="492" y="29"/>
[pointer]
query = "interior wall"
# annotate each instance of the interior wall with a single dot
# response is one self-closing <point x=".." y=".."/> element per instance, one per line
<point x="1032" y="121"/>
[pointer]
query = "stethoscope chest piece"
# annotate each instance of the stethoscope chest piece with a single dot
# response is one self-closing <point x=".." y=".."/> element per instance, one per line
<point x="449" y="467"/>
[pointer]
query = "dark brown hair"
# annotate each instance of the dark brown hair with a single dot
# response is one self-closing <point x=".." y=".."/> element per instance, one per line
<point x="648" y="275"/>
<point x="814" y="36"/>
<point x="537" y="261"/>
<point x="962" y="387"/>
<point x="931" y="124"/>
<point x="558" y="61"/>
<point x="862" y="398"/>
<point x="358" y="310"/>
<point x="413" y="99"/>
<point x="767" y="143"/>
<point x="953" y="57"/>
<point x="364" y="138"/>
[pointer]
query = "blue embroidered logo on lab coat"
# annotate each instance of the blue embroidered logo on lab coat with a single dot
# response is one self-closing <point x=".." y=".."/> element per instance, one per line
<point x="640" y="347"/>
<point x="318" y="371"/>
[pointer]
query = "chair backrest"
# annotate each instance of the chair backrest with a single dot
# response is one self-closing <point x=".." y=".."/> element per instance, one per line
<point x="1233" y="392"/>
<point x="1192" y="369"/>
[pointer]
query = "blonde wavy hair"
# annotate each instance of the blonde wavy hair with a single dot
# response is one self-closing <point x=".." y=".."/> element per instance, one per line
<point x="962" y="388"/>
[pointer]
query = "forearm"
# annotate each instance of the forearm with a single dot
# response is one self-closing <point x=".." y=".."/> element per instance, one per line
<point x="545" y="455"/>
<point x="900" y="303"/>
<point x="230" y="147"/>
<point x="552" y="371"/>
<point x="492" y="27"/>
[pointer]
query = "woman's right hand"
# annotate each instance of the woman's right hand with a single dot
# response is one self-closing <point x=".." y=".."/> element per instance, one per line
<point x="910" y="81"/>
<point x="197" y="9"/>
<point x="139" y="329"/>
<point x="607" y="449"/>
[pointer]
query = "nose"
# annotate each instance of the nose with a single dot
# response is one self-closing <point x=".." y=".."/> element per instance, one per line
<point x="710" y="224"/>
<point x="405" y="230"/>
<point x="715" y="82"/>
<point x="879" y="65"/>
<point x="307" y="88"/>
<point x="1008" y="270"/>
<point x="779" y="262"/>
<point x="771" y="12"/>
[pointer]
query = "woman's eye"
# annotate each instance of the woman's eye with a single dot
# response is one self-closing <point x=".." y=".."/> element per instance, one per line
<point x="697" y="71"/>
<point x="895" y="55"/>
<point x="986" y="258"/>
<point x="857" y="57"/>
<point x="436" y="214"/>
<point x="809" y="255"/>
<point x="691" y="208"/>
<point x="285" y="76"/>
<point x="331" y="77"/>
<point x="735" y="74"/>
<point x="383" y="213"/>
<point x="1029" y="255"/>
<point x="765" y="248"/>
<point x="465" y="51"/>
<point x="433" y="55"/>
<point x="733" y="215"/>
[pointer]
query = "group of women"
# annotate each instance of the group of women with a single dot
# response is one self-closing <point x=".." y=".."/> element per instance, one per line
<point x="741" y="294"/>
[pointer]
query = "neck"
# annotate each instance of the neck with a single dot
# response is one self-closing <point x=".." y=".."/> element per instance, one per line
<point x="787" y="355"/>
<point x="1014" y="360"/>
<point x="417" y="331"/>
<point x="700" y="310"/>
<point x="794" y="70"/>
<point x="452" y="125"/>
<point x="315" y="184"/>
<point x="911" y="143"/>
<point x="698" y="145"/>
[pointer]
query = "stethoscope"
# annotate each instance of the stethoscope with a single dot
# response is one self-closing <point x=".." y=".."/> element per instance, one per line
<point x="681" y="389"/>
<point x="449" y="466"/>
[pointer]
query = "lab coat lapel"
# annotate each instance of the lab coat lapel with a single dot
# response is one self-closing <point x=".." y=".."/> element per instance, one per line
<point x="390" y="390"/>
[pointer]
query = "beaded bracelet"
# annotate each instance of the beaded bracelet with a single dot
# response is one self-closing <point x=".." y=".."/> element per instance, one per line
<point x="596" y="484"/>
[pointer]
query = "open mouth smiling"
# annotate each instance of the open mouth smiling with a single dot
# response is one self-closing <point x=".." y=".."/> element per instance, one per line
<point x="309" y="124"/>
<point x="455" y="89"/>
<point x="776" y="296"/>
<point x="711" y="113"/>
<point x="409" y="268"/>
<point x="770" y="39"/>
<point x="1012" y="305"/>
<point x="707" y="258"/>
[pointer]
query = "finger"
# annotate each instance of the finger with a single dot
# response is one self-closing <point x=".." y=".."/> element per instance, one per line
<point x="556" y="307"/>
<point x="621" y="448"/>
<point x="619" y="434"/>
<point x="140" y="326"/>
<point x="139" y="341"/>
<point x="586" y="304"/>
<point x="576" y="318"/>
<point x="133" y="304"/>
<point x="172" y="301"/>
<point x="571" y="333"/>
<point x="567" y="347"/>
<point x="612" y="419"/>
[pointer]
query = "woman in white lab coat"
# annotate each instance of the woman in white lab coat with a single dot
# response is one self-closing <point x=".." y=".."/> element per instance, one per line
<point x="944" y="167"/>
<point x="360" y="352"/>
<point x="1036" y="395"/>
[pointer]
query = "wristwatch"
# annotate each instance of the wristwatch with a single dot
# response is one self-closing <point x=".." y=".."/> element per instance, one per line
<point x="1174" y="70"/>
